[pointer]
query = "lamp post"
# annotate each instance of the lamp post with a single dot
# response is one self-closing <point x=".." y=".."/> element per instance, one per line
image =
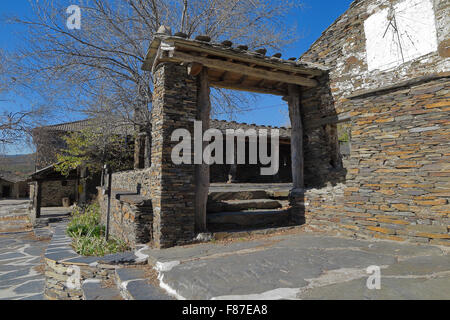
<point x="108" y="171"/>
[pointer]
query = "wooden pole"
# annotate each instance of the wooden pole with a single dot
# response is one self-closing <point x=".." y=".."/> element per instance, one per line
<point x="38" y="198"/>
<point x="108" y="193"/>
<point x="202" y="174"/>
<point x="296" y="136"/>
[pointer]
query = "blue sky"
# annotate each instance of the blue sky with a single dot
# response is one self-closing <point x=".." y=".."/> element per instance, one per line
<point x="312" y="19"/>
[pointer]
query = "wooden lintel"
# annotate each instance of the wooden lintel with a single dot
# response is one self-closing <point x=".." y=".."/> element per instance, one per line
<point x="239" y="87"/>
<point x="223" y="76"/>
<point x="242" y="80"/>
<point x="242" y="69"/>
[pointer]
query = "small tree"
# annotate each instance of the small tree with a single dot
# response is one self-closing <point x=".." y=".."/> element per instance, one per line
<point x="82" y="150"/>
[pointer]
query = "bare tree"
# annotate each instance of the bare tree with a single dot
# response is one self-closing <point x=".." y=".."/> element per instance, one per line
<point x="3" y="83"/>
<point x="13" y="127"/>
<point x="98" y="68"/>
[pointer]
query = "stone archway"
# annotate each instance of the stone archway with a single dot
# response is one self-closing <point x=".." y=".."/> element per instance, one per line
<point x="184" y="70"/>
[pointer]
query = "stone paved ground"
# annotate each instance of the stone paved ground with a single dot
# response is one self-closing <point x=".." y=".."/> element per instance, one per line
<point x="304" y="266"/>
<point x="20" y="263"/>
<point x="20" y="255"/>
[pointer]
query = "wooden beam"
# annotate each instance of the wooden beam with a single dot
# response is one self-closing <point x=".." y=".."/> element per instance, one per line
<point x="296" y="137"/>
<point x="188" y="45"/>
<point x="239" y="87"/>
<point x="243" y="69"/>
<point x="202" y="173"/>
<point x="194" y="69"/>
<point x="223" y="76"/>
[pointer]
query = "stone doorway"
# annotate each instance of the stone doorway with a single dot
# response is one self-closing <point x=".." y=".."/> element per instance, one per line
<point x="183" y="72"/>
<point x="6" y="191"/>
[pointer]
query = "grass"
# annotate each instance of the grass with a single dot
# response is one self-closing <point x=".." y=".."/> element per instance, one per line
<point x="88" y="235"/>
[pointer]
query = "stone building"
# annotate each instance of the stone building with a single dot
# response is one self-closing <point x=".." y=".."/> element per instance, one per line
<point x="49" y="187"/>
<point x="389" y="78"/>
<point x="381" y="70"/>
<point x="13" y="186"/>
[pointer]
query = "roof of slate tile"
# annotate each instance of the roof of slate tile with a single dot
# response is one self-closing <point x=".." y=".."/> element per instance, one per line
<point x="11" y="177"/>
<point x="241" y="50"/>
<point x="127" y="128"/>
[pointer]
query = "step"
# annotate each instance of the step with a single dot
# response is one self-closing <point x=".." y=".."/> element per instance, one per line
<point x="14" y="217"/>
<point x="133" y="285"/>
<point x="10" y="226"/>
<point x="95" y="290"/>
<point x="249" y="218"/>
<point x="240" y="205"/>
<point x="278" y="194"/>
<point x="237" y="195"/>
<point x="15" y="229"/>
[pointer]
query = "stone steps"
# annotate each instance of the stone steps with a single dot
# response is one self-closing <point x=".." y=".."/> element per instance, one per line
<point x="241" y="205"/>
<point x="96" y="290"/>
<point x="133" y="285"/>
<point x="16" y="224"/>
<point x="236" y="195"/>
<point x="247" y="207"/>
<point x="248" y="219"/>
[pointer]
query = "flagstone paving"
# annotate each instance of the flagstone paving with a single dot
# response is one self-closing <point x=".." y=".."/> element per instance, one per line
<point x="20" y="254"/>
<point x="304" y="266"/>
<point x="290" y="266"/>
<point x="20" y="258"/>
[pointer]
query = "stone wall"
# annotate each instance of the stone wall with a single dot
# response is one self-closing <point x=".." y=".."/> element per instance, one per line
<point x="66" y="272"/>
<point x="395" y="182"/>
<point x="54" y="191"/>
<point x="48" y="144"/>
<point x="132" y="181"/>
<point x="172" y="186"/>
<point x="131" y="217"/>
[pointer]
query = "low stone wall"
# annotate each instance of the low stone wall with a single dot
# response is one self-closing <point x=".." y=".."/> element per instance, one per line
<point x="66" y="271"/>
<point x="131" y="180"/>
<point x="336" y="208"/>
<point x="131" y="216"/>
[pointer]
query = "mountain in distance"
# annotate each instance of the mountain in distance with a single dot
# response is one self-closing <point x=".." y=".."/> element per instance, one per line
<point x="21" y="164"/>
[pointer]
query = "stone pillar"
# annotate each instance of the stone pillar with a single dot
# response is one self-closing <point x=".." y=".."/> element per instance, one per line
<point x="172" y="186"/>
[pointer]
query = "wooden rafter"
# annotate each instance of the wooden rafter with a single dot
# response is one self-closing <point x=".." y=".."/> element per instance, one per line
<point x="239" y="87"/>
<point x="216" y="64"/>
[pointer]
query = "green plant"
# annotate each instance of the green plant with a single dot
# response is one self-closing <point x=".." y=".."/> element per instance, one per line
<point x="88" y="235"/>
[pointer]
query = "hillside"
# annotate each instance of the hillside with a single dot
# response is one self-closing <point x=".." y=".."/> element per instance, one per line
<point x="21" y="165"/>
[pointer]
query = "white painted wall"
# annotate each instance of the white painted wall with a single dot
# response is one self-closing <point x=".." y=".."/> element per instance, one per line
<point x="415" y="38"/>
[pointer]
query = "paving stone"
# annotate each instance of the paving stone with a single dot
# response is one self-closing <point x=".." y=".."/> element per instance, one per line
<point x="31" y="287"/>
<point x="95" y="291"/>
<point x="141" y="290"/>
<point x="422" y="265"/>
<point x="37" y="297"/>
<point x="294" y="262"/>
<point x="391" y="289"/>
<point x="127" y="274"/>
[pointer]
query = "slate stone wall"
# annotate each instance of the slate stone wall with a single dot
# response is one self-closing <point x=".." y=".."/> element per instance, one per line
<point x="54" y="191"/>
<point x="172" y="187"/>
<point x="131" y="217"/>
<point x="395" y="183"/>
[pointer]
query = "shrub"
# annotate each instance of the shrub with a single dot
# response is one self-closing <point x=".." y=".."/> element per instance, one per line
<point x="88" y="234"/>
